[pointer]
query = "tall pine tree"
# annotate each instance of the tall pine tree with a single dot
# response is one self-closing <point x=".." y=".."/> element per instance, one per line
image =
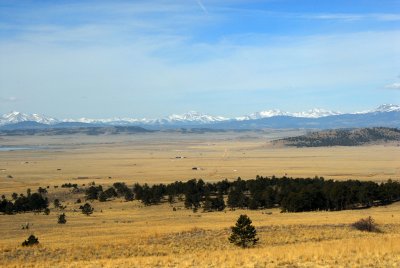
<point x="243" y="233"/>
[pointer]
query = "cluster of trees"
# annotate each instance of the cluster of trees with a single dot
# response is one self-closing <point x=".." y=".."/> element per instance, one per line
<point x="23" y="203"/>
<point x="291" y="194"/>
<point x="69" y="185"/>
<point x="296" y="195"/>
<point x="119" y="189"/>
<point x="195" y="193"/>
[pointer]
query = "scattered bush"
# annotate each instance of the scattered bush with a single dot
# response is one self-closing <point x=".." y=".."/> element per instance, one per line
<point x="62" y="219"/>
<point x="25" y="226"/>
<point x="93" y="192"/>
<point x="69" y="185"/>
<point x="42" y="190"/>
<point x="87" y="209"/>
<point x="31" y="241"/>
<point x="56" y="203"/>
<point x="46" y="211"/>
<point x="367" y="225"/>
<point x="102" y="197"/>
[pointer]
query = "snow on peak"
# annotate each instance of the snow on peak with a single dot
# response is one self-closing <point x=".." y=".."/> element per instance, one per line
<point x="315" y="113"/>
<point x="191" y="117"/>
<point x="194" y="116"/>
<point x="16" y="117"/>
<point x="263" y="114"/>
<point x="384" y="108"/>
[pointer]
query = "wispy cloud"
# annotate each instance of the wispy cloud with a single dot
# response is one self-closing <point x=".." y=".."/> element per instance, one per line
<point x="351" y="16"/>
<point x="395" y="86"/>
<point x="8" y="99"/>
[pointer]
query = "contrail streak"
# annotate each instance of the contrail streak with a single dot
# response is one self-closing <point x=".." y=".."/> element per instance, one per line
<point x="202" y="6"/>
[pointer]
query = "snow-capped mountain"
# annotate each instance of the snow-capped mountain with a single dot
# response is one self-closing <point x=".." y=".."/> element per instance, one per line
<point x="16" y="117"/>
<point x="385" y="108"/>
<point x="263" y="114"/>
<point x="193" y="116"/>
<point x="190" y="117"/>
<point x="111" y="121"/>
<point x="313" y="113"/>
<point x="193" y="119"/>
<point x="316" y="113"/>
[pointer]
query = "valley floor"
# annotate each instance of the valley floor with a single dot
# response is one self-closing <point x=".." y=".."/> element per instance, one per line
<point x="127" y="234"/>
<point x="167" y="157"/>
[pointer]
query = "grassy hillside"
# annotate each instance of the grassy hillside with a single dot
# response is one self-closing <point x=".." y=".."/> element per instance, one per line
<point x="344" y="137"/>
<point x="128" y="234"/>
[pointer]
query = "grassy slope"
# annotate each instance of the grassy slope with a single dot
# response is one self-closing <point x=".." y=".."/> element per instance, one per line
<point x="128" y="234"/>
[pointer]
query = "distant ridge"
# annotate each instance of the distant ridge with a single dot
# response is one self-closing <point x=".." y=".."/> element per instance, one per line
<point x="344" y="137"/>
<point x="30" y="128"/>
<point x="387" y="115"/>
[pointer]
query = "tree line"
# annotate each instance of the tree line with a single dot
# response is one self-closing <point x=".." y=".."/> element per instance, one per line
<point x="24" y="203"/>
<point x="290" y="194"/>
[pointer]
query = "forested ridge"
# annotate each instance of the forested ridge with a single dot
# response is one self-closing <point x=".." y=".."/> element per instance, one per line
<point x="344" y="137"/>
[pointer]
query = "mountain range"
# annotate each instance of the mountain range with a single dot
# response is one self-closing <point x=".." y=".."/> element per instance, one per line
<point x="385" y="115"/>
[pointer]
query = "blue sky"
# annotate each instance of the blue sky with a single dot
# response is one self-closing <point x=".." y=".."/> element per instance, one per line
<point x="154" y="58"/>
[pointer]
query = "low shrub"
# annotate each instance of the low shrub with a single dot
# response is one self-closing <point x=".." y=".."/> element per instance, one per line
<point x="367" y="225"/>
<point x="31" y="241"/>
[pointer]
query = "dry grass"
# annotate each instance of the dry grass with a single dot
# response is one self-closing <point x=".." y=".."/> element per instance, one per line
<point x="127" y="234"/>
<point x="151" y="158"/>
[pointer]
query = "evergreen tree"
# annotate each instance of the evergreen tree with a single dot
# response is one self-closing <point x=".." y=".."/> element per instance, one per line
<point x="243" y="233"/>
<point x="86" y="209"/>
<point x="62" y="219"/>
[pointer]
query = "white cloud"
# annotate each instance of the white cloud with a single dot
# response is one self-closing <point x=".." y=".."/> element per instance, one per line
<point x="395" y="86"/>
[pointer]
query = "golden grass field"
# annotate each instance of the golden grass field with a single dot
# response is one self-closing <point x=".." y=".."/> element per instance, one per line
<point x="151" y="158"/>
<point x="127" y="234"/>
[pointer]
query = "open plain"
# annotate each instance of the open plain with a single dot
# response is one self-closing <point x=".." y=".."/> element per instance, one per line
<point x="128" y="234"/>
<point x="170" y="156"/>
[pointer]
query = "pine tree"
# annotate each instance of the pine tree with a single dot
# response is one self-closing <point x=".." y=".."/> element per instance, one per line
<point x="62" y="219"/>
<point x="243" y="233"/>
